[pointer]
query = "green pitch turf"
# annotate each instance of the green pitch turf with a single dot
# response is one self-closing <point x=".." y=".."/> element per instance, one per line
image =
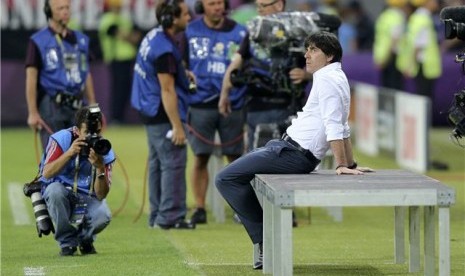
<point x="362" y="244"/>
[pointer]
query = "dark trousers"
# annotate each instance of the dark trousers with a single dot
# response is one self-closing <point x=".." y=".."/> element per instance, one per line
<point x="424" y="86"/>
<point x="121" y="81"/>
<point x="391" y="77"/>
<point x="233" y="182"/>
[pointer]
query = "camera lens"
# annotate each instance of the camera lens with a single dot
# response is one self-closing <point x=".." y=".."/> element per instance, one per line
<point x="101" y="146"/>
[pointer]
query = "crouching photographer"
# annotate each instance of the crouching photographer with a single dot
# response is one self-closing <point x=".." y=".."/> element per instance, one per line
<point x="75" y="174"/>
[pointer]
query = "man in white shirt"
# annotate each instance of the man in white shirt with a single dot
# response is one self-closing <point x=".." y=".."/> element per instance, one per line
<point x="322" y="124"/>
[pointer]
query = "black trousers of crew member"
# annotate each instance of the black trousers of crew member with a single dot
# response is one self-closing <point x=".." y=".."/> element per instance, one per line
<point x="121" y="78"/>
<point x="233" y="182"/>
<point x="423" y="85"/>
<point x="391" y="77"/>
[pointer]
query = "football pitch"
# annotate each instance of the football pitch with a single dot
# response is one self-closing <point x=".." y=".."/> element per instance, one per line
<point x="361" y="244"/>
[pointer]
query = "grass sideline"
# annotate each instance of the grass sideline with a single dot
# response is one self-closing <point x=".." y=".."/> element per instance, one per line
<point x="362" y="244"/>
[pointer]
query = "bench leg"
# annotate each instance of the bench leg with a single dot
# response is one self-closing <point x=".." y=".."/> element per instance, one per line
<point x="414" y="238"/>
<point x="282" y="241"/>
<point x="399" y="235"/>
<point x="267" y="236"/>
<point x="429" y="242"/>
<point x="444" y="241"/>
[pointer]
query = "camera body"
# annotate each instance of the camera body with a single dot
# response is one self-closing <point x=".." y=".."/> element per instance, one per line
<point x="93" y="139"/>
<point x="457" y="114"/>
<point x="44" y="223"/>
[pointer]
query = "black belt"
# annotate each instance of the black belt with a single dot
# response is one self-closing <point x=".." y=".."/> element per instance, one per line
<point x="296" y="145"/>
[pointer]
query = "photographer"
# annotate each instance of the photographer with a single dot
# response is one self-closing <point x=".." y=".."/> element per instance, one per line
<point x="76" y="181"/>
<point x="262" y="107"/>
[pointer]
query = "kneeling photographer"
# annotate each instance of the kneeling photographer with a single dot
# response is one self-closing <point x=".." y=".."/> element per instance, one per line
<point x="76" y="177"/>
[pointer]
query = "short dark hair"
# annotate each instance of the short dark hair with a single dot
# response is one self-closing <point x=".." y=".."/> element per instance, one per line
<point x="82" y="115"/>
<point x="327" y="42"/>
<point x="168" y="7"/>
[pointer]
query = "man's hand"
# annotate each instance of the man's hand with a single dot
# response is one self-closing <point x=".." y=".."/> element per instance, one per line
<point x="96" y="160"/>
<point x="298" y="75"/>
<point x="179" y="136"/>
<point x="365" y="169"/>
<point x="224" y="104"/>
<point x="76" y="146"/>
<point x="34" y="121"/>
<point x="345" y="170"/>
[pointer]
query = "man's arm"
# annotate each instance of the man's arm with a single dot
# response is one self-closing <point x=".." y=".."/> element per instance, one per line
<point x="342" y="150"/>
<point x="224" y="105"/>
<point x="89" y="89"/>
<point x="103" y="175"/>
<point x="55" y="163"/>
<point x="169" y="99"/>
<point x="33" y="119"/>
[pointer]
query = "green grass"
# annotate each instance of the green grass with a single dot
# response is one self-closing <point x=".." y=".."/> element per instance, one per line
<point x="362" y="244"/>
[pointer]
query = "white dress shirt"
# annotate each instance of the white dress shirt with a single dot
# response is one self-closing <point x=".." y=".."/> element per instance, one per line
<point x="325" y="115"/>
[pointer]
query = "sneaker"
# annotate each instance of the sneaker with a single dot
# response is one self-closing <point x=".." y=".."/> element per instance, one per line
<point x="179" y="225"/>
<point x="199" y="216"/>
<point x="68" y="251"/>
<point x="259" y="263"/>
<point x="87" y="248"/>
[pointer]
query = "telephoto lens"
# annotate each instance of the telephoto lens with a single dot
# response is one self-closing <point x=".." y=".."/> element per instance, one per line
<point x="43" y="222"/>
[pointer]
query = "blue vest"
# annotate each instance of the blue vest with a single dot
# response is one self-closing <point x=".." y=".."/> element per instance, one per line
<point x="55" y="53"/>
<point x="146" y="90"/>
<point x="66" y="176"/>
<point x="210" y="53"/>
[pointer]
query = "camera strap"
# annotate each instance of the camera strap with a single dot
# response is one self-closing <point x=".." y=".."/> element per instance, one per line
<point x="76" y="174"/>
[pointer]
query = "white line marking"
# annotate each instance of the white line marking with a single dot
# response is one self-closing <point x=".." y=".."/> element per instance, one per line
<point x="18" y="206"/>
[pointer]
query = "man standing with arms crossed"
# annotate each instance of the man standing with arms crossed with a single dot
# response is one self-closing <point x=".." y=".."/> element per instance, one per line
<point x="210" y="42"/>
<point x="57" y="72"/>
<point x="160" y="94"/>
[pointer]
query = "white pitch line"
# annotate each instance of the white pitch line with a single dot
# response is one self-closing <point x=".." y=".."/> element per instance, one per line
<point x="18" y="206"/>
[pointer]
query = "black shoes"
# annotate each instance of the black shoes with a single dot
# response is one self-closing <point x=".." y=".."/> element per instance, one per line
<point x="87" y="248"/>
<point x="259" y="263"/>
<point x="68" y="251"/>
<point x="179" y="225"/>
<point x="199" y="216"/>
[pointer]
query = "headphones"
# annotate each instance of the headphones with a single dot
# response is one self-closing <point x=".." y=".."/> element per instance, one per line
<point x="167" y="13"/>
<point x="47" y="10"/>
<point x="198" y="6"/>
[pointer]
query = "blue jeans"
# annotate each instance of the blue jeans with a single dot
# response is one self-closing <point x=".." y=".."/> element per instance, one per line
<point x="58" y="199"/>
<point x="167" y="179"/>
<point x="263" y="117"/>
<point x="233" y="182"/>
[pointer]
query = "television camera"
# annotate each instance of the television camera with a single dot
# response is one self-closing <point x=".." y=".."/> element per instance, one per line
<point x="281" y="36"/>
<point x="454" y="20"/>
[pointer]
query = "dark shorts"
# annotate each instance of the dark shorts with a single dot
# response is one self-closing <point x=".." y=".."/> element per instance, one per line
<point x="205" y="122"/>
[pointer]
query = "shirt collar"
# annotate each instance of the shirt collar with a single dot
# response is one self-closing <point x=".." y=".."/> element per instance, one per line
<point x="327" y="68"/>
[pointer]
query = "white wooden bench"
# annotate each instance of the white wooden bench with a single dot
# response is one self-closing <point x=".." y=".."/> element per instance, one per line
<point x="396" y="188"/>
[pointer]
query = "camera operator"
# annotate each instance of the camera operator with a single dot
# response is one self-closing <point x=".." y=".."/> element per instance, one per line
<point x="75" y="184"/>
<point x="260" y="108"/>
